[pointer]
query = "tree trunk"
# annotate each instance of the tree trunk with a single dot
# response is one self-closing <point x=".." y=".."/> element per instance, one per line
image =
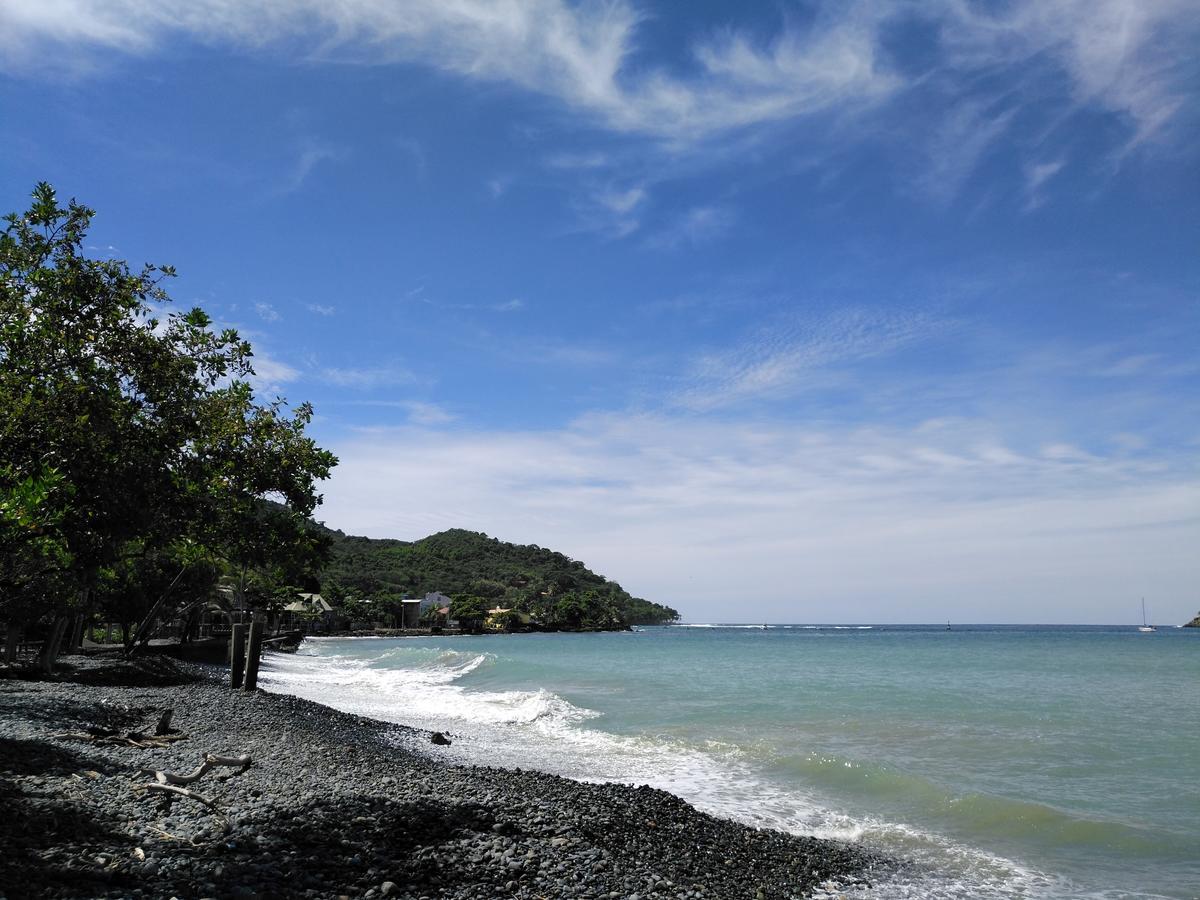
<point x="12" y="642"/>
<point x="126" y="635"/>
<point x="84" y="631"/>
<point x="53" y="641"/>
<point x="145" y="628"/>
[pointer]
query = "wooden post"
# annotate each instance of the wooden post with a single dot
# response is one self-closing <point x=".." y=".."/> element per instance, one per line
<point x="253" y="651"/>
<point x="237" y="655"/>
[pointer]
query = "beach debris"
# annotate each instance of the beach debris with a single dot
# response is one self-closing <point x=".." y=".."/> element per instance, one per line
<point x="440" y="739"/>
<point x="181" y="791"/>
<point x="163" y="735"/>
<point x="171" y="784"/>
<point x="210" y="761"/>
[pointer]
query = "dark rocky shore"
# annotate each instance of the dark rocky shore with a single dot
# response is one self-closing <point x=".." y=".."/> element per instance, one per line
<point x="337" y="805"/>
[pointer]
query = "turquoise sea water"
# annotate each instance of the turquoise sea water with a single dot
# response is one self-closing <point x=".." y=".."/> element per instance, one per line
<point x="1003" y="761"/>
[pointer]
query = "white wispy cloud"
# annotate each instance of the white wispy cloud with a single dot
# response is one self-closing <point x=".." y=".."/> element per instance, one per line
<point x="802" y="523"/>
<point x="418" y="412"/>
<point x="621" y="202"/>
<point x="697" y="225"/>
<point x="1134" y="57"/>
<point x="792" y="354"/>
<point x="321" y="310"/>
<point x="503" y="306"/>
<point x="611" y="211"/>
<point x="592" y="160"/>
<point x="415" y="151"/>
<point x="312" y="153"/>
<point x="957" y="146"/>
<point x="422" y="413"/>
<point x="1037" y="175"/>
<point x="498" y="185"/>
<point x="576" y="53"/>
<point x="365" y="378"/>
<point x="271" y="374"/>
<point x="1131" y="364"/>
<point x="266" y="312"/>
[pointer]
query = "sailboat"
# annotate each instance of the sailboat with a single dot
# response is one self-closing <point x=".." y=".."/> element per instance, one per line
<point x="1144" y="626"/>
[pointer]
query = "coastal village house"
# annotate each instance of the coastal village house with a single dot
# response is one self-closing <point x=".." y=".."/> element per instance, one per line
<point x="415" y="608"/>
<point x="310" y="613"/>
<point x="498" y="620"/>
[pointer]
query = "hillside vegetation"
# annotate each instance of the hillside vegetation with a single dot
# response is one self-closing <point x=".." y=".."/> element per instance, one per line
<point x="554" y="590"/>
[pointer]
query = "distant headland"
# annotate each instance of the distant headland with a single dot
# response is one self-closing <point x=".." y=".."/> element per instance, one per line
<point x="494" y="584"/>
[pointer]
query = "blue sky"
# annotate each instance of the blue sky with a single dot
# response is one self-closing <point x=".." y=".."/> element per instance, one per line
<point x="787" y="312"/>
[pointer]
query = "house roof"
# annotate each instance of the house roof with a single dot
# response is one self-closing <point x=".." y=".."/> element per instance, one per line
<point x="309" y="603"/>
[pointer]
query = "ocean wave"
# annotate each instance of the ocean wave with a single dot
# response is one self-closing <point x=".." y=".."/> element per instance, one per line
<point x="424" y="687"/>
<point x="415" y="687"/>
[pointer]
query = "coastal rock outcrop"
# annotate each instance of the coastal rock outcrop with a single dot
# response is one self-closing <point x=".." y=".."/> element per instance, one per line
<point x="1195" y="623"/>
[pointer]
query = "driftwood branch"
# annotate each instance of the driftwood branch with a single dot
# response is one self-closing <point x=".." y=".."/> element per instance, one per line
<point x="163" y="735"/>
<point x="210" y="761"/>
<point x="129" y="739"/>
<point x="182" y="792"/>
<point x="169" y="783"/>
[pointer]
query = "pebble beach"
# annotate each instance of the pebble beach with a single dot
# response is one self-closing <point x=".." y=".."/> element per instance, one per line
<point x="337" y="805"/>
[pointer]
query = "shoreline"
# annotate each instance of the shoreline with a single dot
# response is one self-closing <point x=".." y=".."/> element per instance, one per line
<point x="335" y="804"/>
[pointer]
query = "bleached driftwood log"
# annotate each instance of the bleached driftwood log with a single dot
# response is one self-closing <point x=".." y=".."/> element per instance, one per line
<point x="170" y="783"/>
<point x="210" y="761"/>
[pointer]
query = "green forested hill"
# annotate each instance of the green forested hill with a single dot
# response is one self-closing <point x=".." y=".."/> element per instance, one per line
<point x="553" y="588"/>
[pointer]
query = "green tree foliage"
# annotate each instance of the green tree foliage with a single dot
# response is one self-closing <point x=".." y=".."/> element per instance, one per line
<point x="470" y="611"/>
<point x="126" y="430"/>
<point x="528" y="578"/>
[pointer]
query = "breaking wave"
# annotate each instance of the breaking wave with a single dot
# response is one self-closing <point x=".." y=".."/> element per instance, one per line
<point x="422" y="687"/>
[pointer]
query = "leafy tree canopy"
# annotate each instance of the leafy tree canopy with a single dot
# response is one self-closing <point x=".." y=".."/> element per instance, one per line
<point x="126" y="428"/>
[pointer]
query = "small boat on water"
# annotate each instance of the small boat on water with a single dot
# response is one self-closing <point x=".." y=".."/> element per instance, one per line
<point x="1144" y="626"/>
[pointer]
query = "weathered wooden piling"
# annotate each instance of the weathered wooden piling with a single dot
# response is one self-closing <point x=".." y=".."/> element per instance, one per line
<point x="253" y="652"/>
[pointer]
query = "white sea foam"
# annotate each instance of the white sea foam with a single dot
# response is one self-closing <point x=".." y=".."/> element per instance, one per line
<point x="539" y="729"/>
